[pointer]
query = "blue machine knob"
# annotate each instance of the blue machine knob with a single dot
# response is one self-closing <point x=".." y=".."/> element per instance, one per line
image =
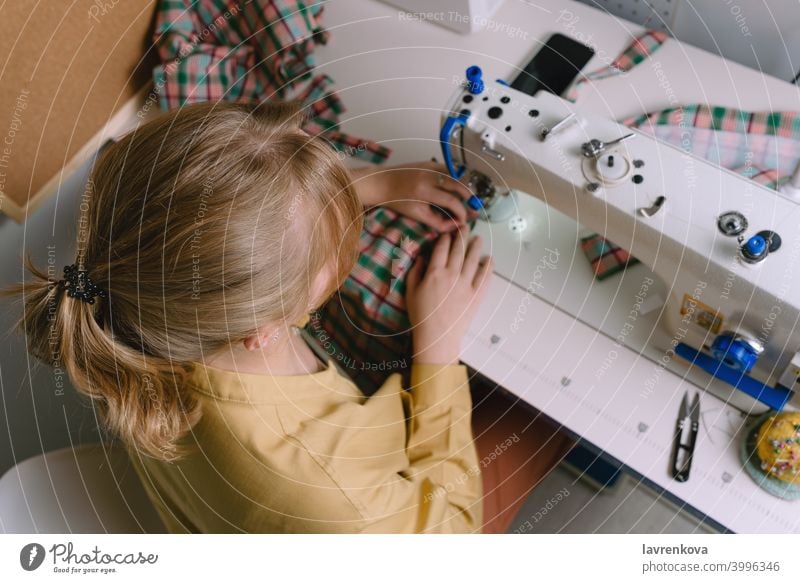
<point x="475" y="80"/>
<point x="756" y="246"/>
<point x="734" y="352"/>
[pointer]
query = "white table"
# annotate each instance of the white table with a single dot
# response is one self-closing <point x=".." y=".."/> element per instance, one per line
<point x="396" y="74"/>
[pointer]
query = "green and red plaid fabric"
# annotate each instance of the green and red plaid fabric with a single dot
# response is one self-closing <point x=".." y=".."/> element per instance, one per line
<point x="605" y="257"/>
<point x="762" y="146"/>
<point x="768" y="123"/>
<point x="250" y="51"/>
<point x="364" y="327"/>
<point x="641" y="48"/>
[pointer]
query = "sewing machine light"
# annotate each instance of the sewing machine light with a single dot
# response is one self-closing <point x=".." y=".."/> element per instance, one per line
<point x="518" y="224"/>
<point x="522" y="227"/>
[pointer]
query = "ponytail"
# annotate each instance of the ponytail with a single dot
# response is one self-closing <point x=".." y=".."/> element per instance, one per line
<point x="69" y="333"/>
<point x="200" y="226"/>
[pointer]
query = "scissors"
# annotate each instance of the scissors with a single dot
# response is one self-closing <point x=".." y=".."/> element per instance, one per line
<point x="685" y="437"/>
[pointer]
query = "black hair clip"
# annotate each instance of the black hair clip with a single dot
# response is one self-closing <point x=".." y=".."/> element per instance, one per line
<point x="79" y="285"/>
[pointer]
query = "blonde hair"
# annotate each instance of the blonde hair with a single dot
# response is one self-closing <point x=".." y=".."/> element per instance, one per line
<point x="202" y="225"/>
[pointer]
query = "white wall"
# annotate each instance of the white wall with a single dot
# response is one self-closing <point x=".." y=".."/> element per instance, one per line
<point x="35" y="415"/>
<point x="763" y="34"/>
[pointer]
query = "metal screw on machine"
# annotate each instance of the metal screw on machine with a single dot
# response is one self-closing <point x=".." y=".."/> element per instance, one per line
<point x="732" y="223"/>
<point x="594" y="148"/>
<point x="593" y="187"/>
<point x="493" y="153"/>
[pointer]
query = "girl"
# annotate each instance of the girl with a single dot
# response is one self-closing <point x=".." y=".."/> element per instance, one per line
<point x="212" y="232"/>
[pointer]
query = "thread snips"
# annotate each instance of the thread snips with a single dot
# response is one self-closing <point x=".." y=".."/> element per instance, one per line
<point x="685" y="437"/>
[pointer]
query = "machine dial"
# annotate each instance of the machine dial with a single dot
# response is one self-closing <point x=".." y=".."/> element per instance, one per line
<point x="608" y="169"/>
<point x="732" y="223"/>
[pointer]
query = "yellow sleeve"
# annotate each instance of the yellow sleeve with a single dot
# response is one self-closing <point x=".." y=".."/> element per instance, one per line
<point x="405" y="461"/>
<point x="443" y="461"/>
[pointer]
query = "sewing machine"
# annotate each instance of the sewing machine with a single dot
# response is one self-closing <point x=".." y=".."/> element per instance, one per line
<point x="721" y="250"/>
<point x="588" y="353"/>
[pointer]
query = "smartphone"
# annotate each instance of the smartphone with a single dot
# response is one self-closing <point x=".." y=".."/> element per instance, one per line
<point x="554" y="67"/>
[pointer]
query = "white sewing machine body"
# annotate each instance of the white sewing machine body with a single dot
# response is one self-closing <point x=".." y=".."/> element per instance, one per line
<point x="731" y="303"/>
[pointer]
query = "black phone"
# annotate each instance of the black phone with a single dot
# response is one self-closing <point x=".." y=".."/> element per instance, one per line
<point x="554" y="67"/>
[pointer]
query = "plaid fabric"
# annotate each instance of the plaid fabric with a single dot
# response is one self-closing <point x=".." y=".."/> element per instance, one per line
<point x="768" y="178"/>
<point x="605" y="257"/>
<point x="364" y="327"/>
<point x="723" y="119"/>
<point x="762" y="146"/>
<point x="250" y="51"/>
<point x="641" y="48"/>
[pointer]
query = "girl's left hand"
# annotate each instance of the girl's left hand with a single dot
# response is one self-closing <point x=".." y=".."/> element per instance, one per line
<point x="423" y="191"/>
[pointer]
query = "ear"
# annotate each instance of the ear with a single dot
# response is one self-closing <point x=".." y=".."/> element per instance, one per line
<point x="263" y="337"/>
<point x="319" y="286"/>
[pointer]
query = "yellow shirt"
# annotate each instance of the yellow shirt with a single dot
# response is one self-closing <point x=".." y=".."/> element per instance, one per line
<point x="310" y="453"/>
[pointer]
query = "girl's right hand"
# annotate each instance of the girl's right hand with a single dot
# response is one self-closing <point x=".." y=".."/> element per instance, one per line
<point x="441" y="303"/>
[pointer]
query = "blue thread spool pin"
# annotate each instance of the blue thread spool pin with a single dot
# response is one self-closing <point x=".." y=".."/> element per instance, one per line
<point x="755" y="249"/>
<point x="475" y="80"/>
<point x="756" y="246"/>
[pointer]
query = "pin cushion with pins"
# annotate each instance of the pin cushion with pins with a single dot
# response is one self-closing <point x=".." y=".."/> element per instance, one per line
<point x="771" y="453"/>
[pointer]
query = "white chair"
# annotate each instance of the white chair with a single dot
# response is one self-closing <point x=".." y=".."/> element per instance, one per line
<point x="86" y="489"/>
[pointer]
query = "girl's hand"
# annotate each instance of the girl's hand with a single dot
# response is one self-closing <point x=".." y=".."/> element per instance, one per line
<point x="442" y="302"/>
<point x="423" y="191"/>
